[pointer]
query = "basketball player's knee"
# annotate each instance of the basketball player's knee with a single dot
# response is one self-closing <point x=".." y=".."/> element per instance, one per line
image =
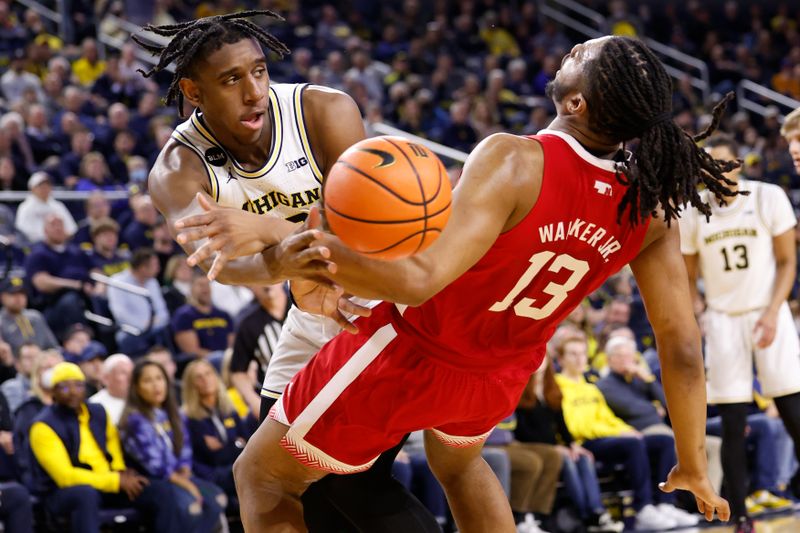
<point x="451" y="471"/>
<point x="269" y="474"/>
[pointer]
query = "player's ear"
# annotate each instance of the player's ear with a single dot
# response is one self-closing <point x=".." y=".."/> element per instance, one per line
<point x="575" y="104"/>
<point x="191" y="91"/>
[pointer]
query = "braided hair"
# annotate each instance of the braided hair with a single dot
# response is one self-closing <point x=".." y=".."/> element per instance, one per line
<point x="630" y="96"/>
<point x="197" y="38"/>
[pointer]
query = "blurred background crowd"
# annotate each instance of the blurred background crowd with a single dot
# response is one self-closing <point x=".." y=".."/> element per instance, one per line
<point x="96" y="272"/>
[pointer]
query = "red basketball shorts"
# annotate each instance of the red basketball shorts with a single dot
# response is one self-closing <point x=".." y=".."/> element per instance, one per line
<point x="360" y="394"/>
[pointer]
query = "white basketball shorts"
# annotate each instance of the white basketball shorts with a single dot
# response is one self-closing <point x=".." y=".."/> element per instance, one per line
<point x="731" y="355"/>
<point x="302" y="336"/>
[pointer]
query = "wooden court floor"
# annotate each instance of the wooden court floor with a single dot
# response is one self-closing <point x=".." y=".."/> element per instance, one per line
<point x="784" y="523"/>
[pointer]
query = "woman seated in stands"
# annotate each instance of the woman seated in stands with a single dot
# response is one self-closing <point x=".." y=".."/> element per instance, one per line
<point x="156" y="442"/>
<point x="217" y="433"/>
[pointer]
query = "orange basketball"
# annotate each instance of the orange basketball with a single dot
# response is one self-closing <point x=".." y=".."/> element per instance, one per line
<point x="387" y="197"/>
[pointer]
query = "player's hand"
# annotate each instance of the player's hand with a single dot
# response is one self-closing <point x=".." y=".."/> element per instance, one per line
<point x="707" y="500"/>
<point x="764" y="330"/>
<point x="302" y="254"/>
<point x="230" y="233"/>
<point x="328" y="301"/>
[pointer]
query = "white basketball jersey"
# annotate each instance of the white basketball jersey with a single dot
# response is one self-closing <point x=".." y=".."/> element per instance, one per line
<point x="288" y="183"/>
<point x="734" y="247"/>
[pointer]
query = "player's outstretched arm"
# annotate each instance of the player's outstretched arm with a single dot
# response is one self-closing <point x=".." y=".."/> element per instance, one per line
<point x="176" y="183"/>
<point x="661" y="276"/>
<point x="498" y="186"/>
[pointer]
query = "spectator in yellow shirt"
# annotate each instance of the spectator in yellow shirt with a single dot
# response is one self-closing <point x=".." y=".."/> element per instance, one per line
<point x="78" y="463"/>
<point x="612" y="441"/>
<point x="87" y="68"/>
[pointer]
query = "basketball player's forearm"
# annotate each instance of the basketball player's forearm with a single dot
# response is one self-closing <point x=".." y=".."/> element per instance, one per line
<point x="785" y="272"/>
<point x="685" y="389"/>
<point x="403" y="281"/>
<point x="244" y="271"/>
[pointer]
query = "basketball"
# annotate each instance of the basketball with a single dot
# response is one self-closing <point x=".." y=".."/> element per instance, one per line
<point x="387" y="197"/>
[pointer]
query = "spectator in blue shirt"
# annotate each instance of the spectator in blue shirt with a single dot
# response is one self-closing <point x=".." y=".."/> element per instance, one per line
<point x="202" y="330"/>
<point x="106" y="256"/>
<point x="155" y="436"/>
<point x="96" y="207"/>
<point x="58" y="273"/>
<point x="138" y="232"/>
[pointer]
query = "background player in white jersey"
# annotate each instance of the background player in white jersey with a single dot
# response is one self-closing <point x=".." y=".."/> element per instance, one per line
<point x="265" y="149"/>
<point x="745" y="254"/>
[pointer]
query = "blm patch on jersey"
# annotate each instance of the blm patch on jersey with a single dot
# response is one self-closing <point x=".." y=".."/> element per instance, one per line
<point x="216" y="156"/>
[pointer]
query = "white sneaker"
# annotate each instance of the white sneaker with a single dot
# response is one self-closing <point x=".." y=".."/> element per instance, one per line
<point x="681" y="517"/>
<point x="606" y="524"/>
<point x="649" y="518"/>
<point x="530" y="525"/>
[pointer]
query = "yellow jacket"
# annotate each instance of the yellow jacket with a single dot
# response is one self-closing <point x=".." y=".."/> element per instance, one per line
<point x="586" y="412"/>
<point x="54" y="458"/>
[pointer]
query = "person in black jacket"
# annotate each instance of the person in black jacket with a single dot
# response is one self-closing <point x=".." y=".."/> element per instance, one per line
<point x="16" y="512"/>
<point x="257" y="329"/>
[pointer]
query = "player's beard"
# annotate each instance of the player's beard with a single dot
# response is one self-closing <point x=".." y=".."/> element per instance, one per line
<point x="554" y="90"/>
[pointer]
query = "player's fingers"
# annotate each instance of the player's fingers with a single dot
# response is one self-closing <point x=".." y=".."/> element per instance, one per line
<point x="200" y="219"/>
<point x="314" y="219"/>
<point x="204" y="201"/>
<point x="315" y="253"/>
<point x="195" y="234"/>
<point x="345" y="324"/>
<point x="220" y="260"/>
<point x="701" y="505"/>
<point x="303" y="239"/>
<point x="666" y="486"/>
<point x="723" y="509"/>
<point x="204" y="252"/>
<point x="346" y="306"/>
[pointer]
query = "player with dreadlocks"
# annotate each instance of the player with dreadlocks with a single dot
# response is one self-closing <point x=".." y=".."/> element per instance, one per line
<point x="264" y="148"/>
<point x="537" y="223"/>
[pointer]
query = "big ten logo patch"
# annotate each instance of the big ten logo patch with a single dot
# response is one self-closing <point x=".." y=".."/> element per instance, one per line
<point x="297" y="163"/>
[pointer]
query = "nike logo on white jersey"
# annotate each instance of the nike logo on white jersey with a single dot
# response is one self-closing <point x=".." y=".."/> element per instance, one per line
<point x="603" y="188"/>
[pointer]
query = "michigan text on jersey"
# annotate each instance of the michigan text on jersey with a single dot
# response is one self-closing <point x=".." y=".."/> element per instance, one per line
<point x="736" y="232"/>
<point x="272" y="199"/>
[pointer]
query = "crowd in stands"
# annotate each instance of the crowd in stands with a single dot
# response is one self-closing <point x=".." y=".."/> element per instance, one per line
<point x="176" y="372"/>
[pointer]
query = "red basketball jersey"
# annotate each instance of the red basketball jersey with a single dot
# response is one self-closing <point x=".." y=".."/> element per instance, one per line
<point x="503" y="310"/>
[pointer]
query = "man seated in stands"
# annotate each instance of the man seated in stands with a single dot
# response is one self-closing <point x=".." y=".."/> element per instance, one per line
<point x="33" y="211"/>
<point x="106" y="257"/>
<point x="147" y="315"/>
<point x="59" y="274"/>
<point x="631" y="390"/>
<point x="97" y="207"/>
<point x="90" y="361"/>
<point x="116" y="376"/>
<point x="202" y="330"/>
<point x="17" y="389"/>
<point x="78" y="465"/>
<point x="139" y="232"/>
<point x="18" y="324"/>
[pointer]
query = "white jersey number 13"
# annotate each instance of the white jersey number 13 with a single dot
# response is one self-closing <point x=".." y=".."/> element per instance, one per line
<point x="558" y="291"/>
